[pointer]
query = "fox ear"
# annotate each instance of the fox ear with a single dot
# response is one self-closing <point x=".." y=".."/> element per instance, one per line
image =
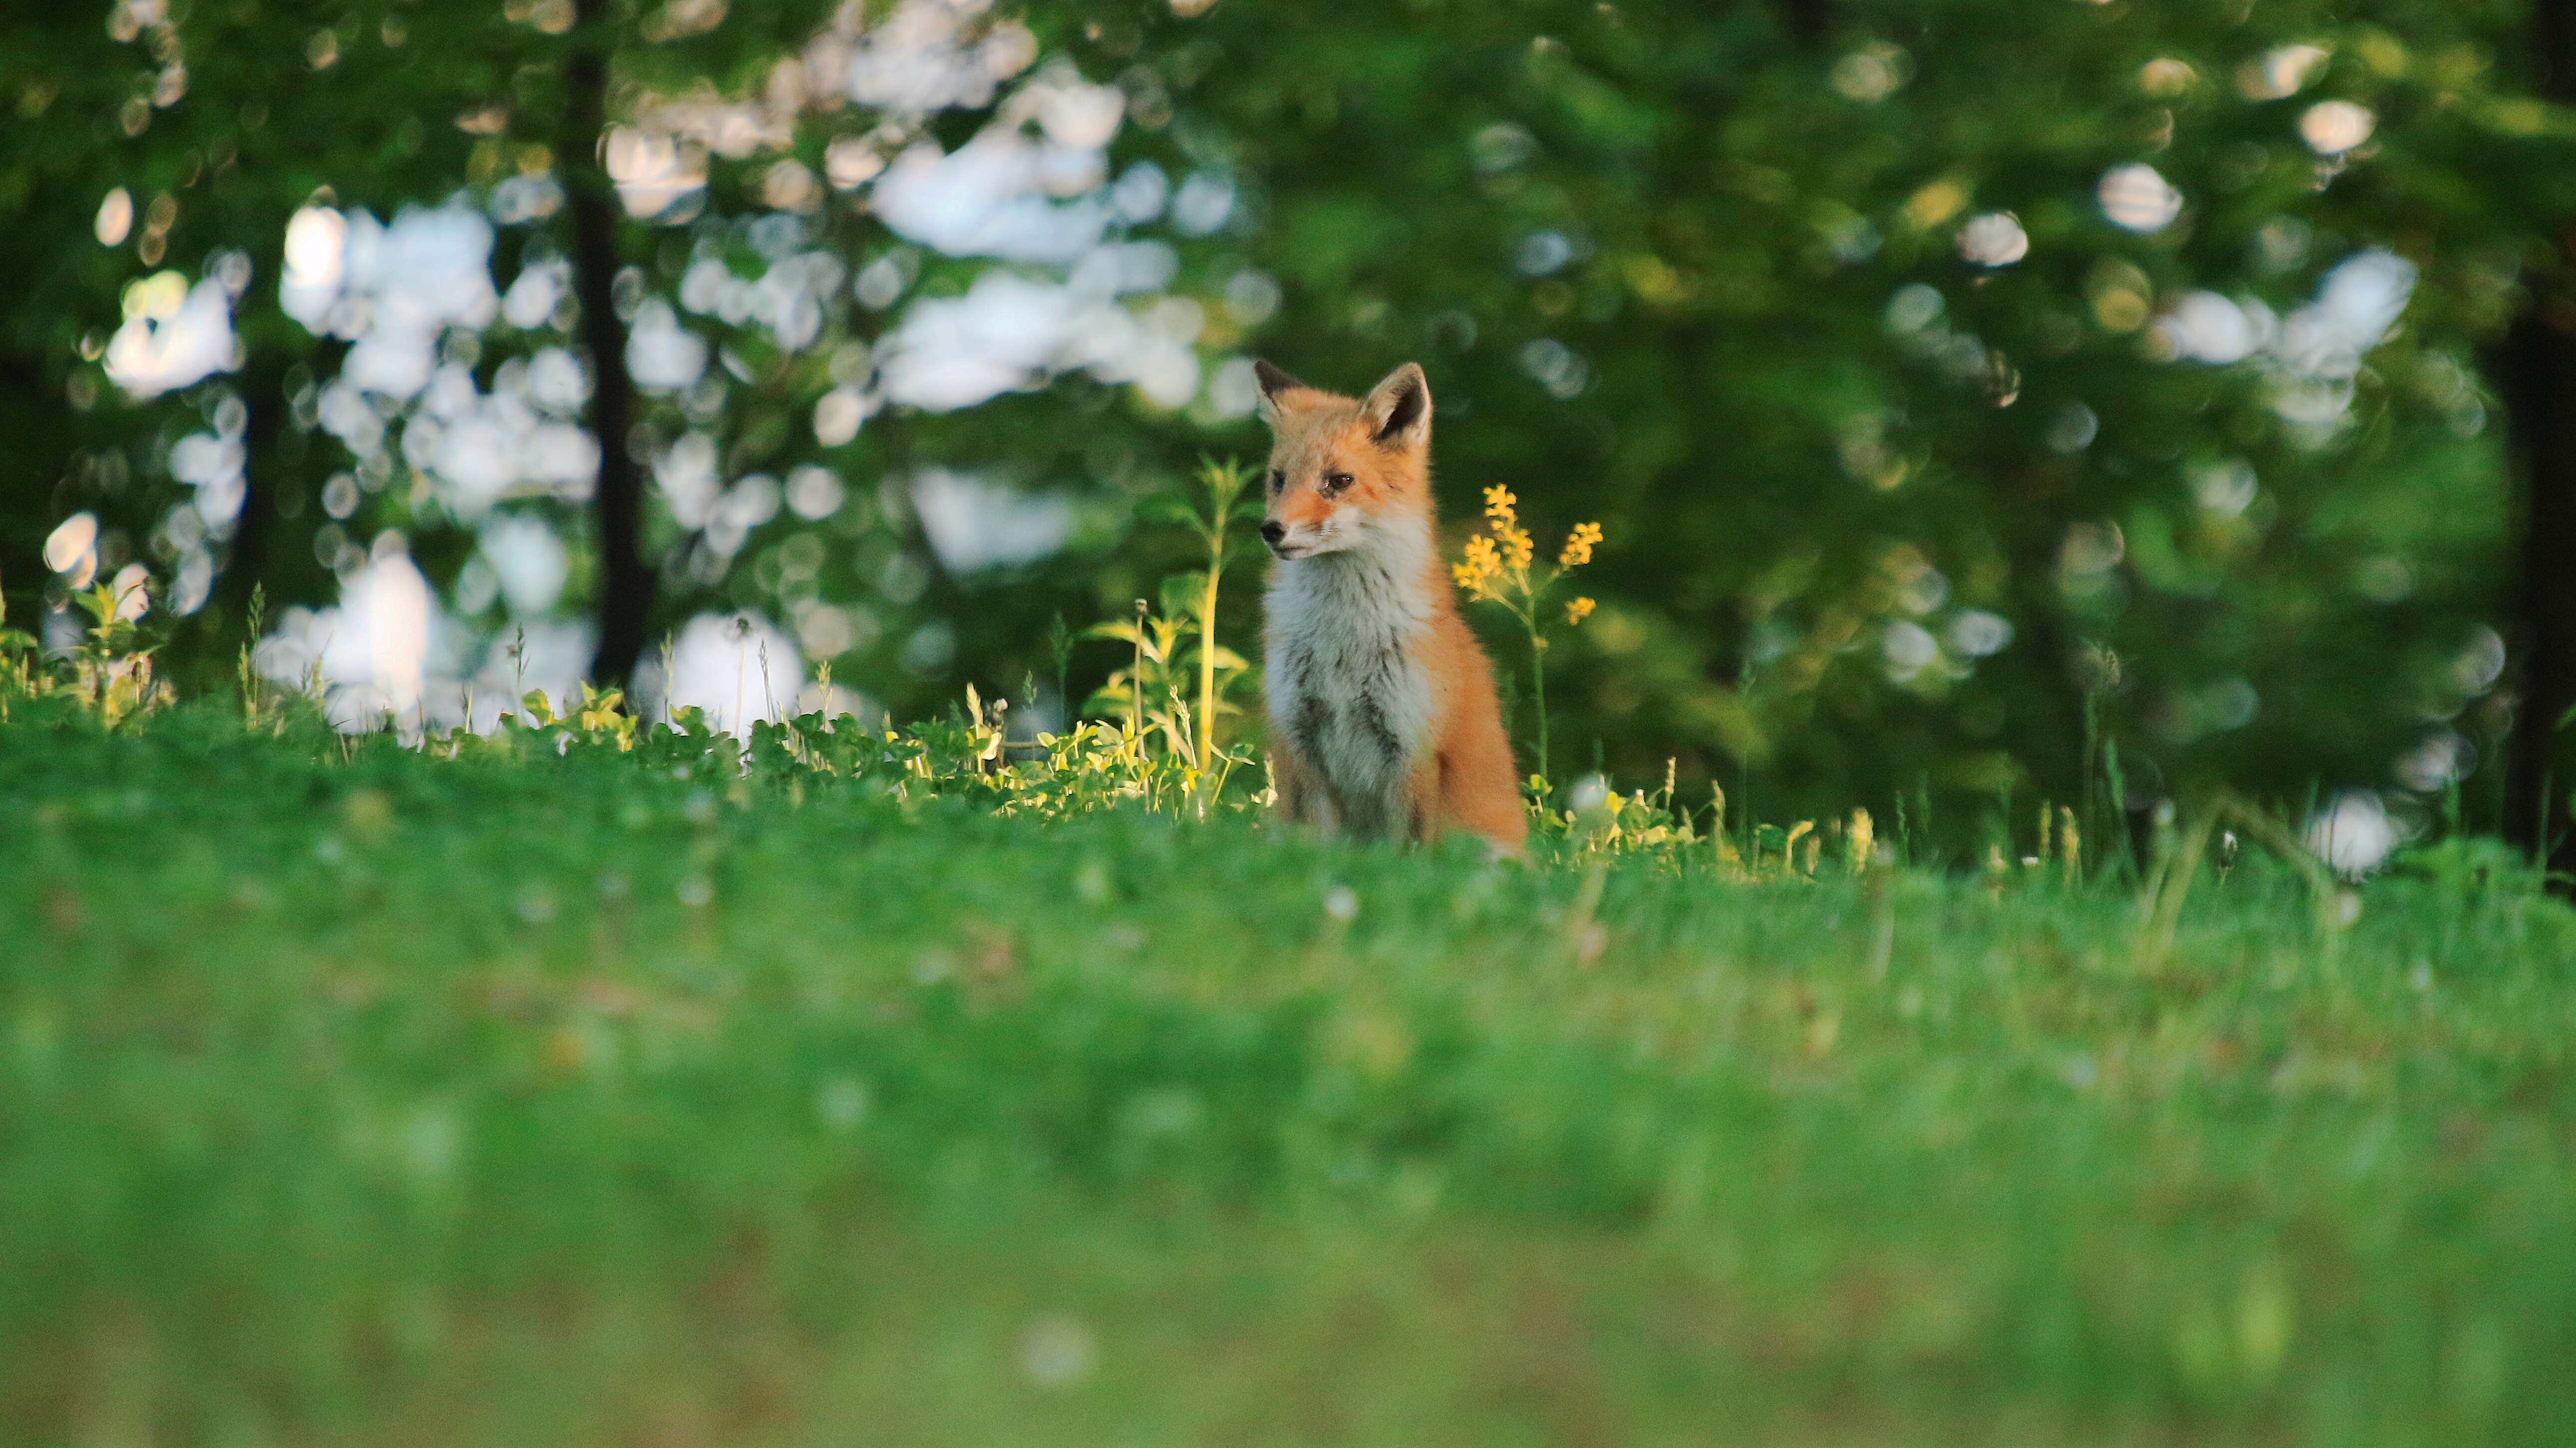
<point x="1398" y="410"/>
<point x="1270" y="385"/>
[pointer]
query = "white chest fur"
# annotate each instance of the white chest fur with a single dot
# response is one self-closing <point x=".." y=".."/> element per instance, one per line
<point x="1345" y="675"/>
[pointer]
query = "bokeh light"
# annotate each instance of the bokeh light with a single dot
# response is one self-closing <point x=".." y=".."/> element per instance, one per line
<point x="2138" y="198"/>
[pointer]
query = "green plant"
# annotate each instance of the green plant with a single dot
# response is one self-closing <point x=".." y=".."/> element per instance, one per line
<point x="1224" y="483"/>
<point x="245" y="665"/>
<point x="1498" y="569"/>
<point x="1151" y="690"/>
<point x="1173" y="651"/>
<point x="21" y="660"/>
<point x="108" y="675"/>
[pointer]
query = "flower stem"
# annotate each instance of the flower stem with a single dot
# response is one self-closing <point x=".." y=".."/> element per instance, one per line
<point x="1136" y="685"/>
<point x="1207" y="649"/>
<point x="1538" y="690"/>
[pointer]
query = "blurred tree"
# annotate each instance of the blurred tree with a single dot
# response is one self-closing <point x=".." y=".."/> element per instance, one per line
<point x="1975" y="393"/>
<point x="2537" y="375"/>
<point x="172" y="144"/>
<point x="626" y="579"/>
<point x="599" y="156"/>
<point x="1989" y="390"/>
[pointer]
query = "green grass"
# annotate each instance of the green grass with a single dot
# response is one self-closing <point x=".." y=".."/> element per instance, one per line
<point x="379" y="1100"/>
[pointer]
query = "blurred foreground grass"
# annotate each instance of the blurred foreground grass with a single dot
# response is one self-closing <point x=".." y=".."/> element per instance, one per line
<point x="380" y="1100"/>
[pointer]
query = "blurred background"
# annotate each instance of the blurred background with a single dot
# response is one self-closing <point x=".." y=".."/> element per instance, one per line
<point x="1971" y="392"/>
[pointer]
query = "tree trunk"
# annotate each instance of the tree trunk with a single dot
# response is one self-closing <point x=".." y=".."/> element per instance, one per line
<point x="2537" y="378"/>
<point x="627" y="584"/>
<point x="42" y="431"/>
<point x="262" y="385"/>
<point x="1809" y="20"/>
<point x="2539" y="386"/>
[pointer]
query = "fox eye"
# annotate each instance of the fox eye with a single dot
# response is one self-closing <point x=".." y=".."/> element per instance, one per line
<point x="1278" y="480"/>
<point x="1335" y="482"/>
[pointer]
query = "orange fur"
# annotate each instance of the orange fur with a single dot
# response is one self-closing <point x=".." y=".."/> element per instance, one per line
<point x="1385" y="720"/>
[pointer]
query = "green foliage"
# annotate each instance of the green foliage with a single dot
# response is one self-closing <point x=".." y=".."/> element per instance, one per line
<point x="108" y="677"/>
<point x="1887" y="508"/>
<point x="1174" y="657"/>
<point x="1697" y="271"/>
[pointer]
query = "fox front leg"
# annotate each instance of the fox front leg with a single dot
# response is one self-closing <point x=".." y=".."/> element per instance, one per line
<point x="1302" y="797"/>
<point x="1404" y="810"/>
<point x="1422" y="802"/>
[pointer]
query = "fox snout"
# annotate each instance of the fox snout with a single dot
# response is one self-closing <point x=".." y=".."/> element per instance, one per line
<point x="1294" y="537"/>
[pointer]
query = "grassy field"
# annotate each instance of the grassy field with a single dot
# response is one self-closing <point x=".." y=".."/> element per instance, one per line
<point x="370" y="1099"/>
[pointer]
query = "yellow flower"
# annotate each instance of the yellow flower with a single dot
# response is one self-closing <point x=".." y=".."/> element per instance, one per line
<point x="1518" y="548"/>
<point x="1577" y="610"/>
<point x="1579" y="545"/>
<point x="1499" y="506"/>
<point x="1482" y="563"/>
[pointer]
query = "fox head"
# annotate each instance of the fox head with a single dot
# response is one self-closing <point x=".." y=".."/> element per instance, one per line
<point x="1344" y="472"/>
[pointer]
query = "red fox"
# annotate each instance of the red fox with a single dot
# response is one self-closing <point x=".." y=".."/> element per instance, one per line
<point x="1382" y="709"/>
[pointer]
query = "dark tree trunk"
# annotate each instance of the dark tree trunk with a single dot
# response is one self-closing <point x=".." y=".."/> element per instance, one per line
<point x="2537" y="377"/>
<point x="2554" y="28"/>
<point x="24" y="480"/>
<point x="2538" y="380"/>
<point x="1809" y="20"/>
<point x="627" y="584"/>
<point x="247" y="558"/>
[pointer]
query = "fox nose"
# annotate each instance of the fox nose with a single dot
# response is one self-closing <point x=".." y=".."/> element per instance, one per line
<point x="1272" y="531"/>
